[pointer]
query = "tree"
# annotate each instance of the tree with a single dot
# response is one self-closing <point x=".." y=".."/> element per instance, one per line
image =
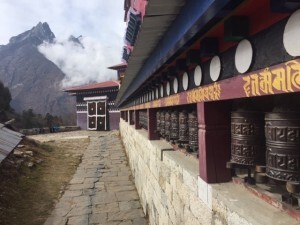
<point x="5" y="98"/>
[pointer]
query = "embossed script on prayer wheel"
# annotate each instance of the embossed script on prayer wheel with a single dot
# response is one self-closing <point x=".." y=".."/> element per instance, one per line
<point x="162" y="123"/>
<point x="282" y="132"/>
<point x="247" y="138"/>
<point x="174" y="129"/>
<point x="143" y="120"/>
<point x="167" y="124"/>
<point x="158" y="121"/>
<point x="193" y="131"/>
<point x="183" y="127"/>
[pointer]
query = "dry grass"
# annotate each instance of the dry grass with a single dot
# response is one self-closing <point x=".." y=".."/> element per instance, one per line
<point x="27" y="195"/>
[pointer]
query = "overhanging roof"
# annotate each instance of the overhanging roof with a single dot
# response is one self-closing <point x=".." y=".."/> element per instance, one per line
<point x="118" y="66"/>
<point x="167" y="27"/>
<point x="106" y="84"/>
<point x="158" y="18"/>
<point x="9" y="139"/>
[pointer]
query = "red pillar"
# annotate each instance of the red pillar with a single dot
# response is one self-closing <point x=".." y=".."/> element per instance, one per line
<point x="136" y="120"/>
<point x="152" y="134"/>
<point x="214" y="140"/>
<point x="126" y="116"/>
<point x="131" y="117"/>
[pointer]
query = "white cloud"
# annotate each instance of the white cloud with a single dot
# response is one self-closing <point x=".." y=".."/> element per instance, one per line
<point x="81" y="65"/>
<point x="99" y="21"/>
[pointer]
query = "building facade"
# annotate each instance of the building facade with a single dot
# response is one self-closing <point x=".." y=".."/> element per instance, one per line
<point x="95" y="106"/>
<point x="210" y="114"/>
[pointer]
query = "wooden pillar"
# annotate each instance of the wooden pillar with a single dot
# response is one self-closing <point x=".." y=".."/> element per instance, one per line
<point x="131" y="117"/>
<point x="214" y="140"/>
<point x="136" y="120"/>
<point x="152" y="133"/>
<point x="126" y="116"/>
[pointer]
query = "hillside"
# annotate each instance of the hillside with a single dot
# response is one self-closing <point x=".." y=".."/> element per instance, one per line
<point x="33" y="80"/>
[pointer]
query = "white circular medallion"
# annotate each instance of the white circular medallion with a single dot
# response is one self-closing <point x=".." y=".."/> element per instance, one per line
<point x="168" y="88"/>
<point x="161" y="90"/>
<point x="291" y="34"/>
<point x="215" y="68"/>
<point x="157" y="92"/>
<point x="185" y="81"/>
<point x="175" y="85"/>
<point x="243" y="56"/>
<point x="198" y="75"/>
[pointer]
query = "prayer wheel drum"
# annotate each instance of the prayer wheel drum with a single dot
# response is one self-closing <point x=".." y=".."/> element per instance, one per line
<point x="158" y="121"/>
<point x="247" y="139"/>
<point x="162" y="123"/>
<point x="167" y="124"/>
<point x="174" y="129"/>
<point x="282" y="131"/>
<point x="183" y="127"/>
<point x="193" y="131"/>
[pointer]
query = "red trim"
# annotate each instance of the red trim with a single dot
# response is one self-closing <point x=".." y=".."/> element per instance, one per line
<point x="278" y="79"/>
<point x="118" y="66"/>
<point x="106" y="84"/>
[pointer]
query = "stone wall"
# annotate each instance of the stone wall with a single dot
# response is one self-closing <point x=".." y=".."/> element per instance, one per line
<point x="168" y="192"/>
<point x="172" y="193"/>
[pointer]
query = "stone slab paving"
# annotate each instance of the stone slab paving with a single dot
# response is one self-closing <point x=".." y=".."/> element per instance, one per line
<point x="101" y="190"/>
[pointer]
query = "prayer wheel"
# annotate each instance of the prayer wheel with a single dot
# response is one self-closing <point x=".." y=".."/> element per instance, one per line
<point x="167" y="124"/>
<point x="158" y="121"/>
<point x="282" y="131"/>
<point x="193" y="131"/>
<point x="174" y="129"/>
<point x="145" y="120"/>
<point x="162" y="123"/>
<point x="183" y="128"/>
<point x="247" y="139"/>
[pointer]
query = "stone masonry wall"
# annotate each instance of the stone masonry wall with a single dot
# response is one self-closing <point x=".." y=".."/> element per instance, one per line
<point x="172" y="193"/>
<point x="168" y="192"/>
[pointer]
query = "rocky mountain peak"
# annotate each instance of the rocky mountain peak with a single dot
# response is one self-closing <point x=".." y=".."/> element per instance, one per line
<point x="37" y="35"/>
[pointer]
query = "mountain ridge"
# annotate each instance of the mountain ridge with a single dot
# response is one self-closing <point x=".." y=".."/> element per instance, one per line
<point x="33" y="80"/>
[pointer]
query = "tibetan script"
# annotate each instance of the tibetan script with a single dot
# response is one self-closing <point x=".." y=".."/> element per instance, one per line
<point x="281" y="79"/>
<point x="172" y="100"/>
<point x="208" y="93"/>
<point x="156" y="103"/>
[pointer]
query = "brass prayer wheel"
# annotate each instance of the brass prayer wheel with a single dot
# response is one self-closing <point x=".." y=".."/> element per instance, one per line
<point x="183" y="128"/>
<point x="143" y="120"/>
<point x="174" y="129"/>
<point x="167" y="124"/>
<point x="158" y="121"/>
<point x="162" y="123"/>
<point x="193" y="131"/>
<point x="247" y="139"/>
<point x="282" y="131"/>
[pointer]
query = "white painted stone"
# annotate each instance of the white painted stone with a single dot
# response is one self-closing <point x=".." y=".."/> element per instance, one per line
<point x="243" y="56"/>
<point x="198" y="75"/>
<point x="175" y="85"/>
<point x="203" y="192"/>
<point x="161" y="90"/>
<point x="185" y="81"/>
<point x="215" y="68"/>
<point x="168" y="89"/>
<point x="291" y="34"/>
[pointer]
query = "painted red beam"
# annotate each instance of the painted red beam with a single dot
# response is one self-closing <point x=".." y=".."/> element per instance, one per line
<point x="278" y="79"/>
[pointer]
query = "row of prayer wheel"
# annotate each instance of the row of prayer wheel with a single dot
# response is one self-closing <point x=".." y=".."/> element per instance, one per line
<point x="143" y="119"/>
<point x="179" y="127"/>
<point x="271" y="139"/>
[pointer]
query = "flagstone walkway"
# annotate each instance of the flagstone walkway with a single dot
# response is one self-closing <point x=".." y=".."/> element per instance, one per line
<point x="102" y="190"/>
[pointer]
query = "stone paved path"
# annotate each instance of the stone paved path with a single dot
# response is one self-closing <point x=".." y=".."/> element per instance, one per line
<point x="102" y="190"/>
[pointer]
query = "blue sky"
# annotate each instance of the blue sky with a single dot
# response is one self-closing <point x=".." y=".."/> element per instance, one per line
<point x="99" y="21"/>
